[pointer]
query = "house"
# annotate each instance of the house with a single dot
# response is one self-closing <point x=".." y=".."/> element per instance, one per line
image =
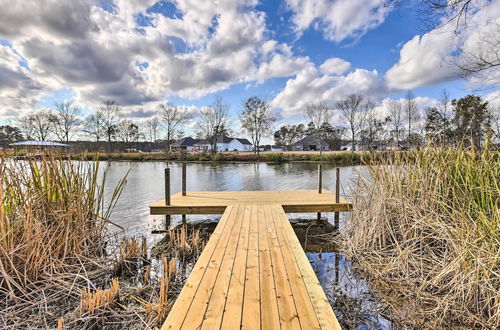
<point x="277" y="148"/>
<point x="186" y="144"/>
<point x="224" y="143"/>
<point x="351" y="147"/>
<point x="310" y="143"/>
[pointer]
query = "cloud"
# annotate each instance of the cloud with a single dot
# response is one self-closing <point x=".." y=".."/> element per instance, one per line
<point x="310" y="85"/>
<point x="18" y="88"/>
<point x="432" y="58"/>
<point x="424" y="60"/>
<point x="338" y="19"/>
<point x="335" y="66"/>
<point x="105" y="54"/>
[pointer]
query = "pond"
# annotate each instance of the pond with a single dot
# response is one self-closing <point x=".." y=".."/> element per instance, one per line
<point x="145" y="185"/>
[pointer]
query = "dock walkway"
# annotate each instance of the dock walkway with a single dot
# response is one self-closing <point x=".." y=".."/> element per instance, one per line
<point x="253" y="272"/>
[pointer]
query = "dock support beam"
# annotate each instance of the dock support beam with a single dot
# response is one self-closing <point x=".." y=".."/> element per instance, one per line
<point x="337" y="198"/>
<point x="167" y="196"/>
<point x="320" y="185"/>
<point x="184" y="220"/>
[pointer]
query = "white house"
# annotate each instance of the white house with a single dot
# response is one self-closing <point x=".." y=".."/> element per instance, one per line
<point x="225" y="143"/>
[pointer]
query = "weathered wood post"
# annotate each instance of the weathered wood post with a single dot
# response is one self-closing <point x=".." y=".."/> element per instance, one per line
<point x="337" y="198"/>
<point x="167" y="196"/>
<point x="184" y="189"/>
<point x="320" y="185"/>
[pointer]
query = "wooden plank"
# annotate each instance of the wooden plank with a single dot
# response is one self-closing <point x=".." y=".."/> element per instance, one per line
<point x="234" y="302"/>
<point x="214" y="202"/>
<point x="217" y="300"/>
<point x="269" y="305"/>
<point x="253" y="272"/>
<point x="176" y="316"/>
<point x="221" y="262"/>
<point x="324" y="312"/>
<point x="305" y="308"/>
<point x="286" y="305"/>
<point x="251" y="297"/>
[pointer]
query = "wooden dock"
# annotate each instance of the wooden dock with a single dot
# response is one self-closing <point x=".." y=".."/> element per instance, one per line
<point x="253" y="272"/>
<point x="215" y="202"/>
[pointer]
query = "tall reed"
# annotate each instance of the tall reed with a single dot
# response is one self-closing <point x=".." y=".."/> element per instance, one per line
<point x="53" y="220"/>
<point x="426" y="229"/>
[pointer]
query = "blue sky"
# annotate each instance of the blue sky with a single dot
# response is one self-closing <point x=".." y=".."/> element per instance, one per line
<point x="290" y="52"/>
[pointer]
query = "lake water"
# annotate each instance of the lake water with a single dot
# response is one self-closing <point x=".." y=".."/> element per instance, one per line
<point x="145" y="185"/>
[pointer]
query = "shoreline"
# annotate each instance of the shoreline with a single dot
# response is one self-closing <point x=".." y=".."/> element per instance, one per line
<point x="339" y="158"/>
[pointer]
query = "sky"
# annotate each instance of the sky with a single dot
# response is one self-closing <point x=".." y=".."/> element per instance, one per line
<point x="140" y="53"/>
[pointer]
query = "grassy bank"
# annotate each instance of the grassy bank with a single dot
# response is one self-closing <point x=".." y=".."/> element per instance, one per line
<point x="426" y="231"/>
<point x="341" y="158"/>
<point x="59" y="264"/>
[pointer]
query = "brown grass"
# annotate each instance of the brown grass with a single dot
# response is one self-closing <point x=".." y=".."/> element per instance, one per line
<point x="426" y="230"/>
<point x="57" y="257"/>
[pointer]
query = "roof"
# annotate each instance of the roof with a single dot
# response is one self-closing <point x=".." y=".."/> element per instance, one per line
<point x="309" y="140"/>
<point x="186" y="141"/>
<point x="224" y="139"/>
<point x="244" y="141"/>
<point x="39" y="144"/>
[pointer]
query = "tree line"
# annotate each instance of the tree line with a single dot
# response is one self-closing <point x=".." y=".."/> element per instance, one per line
<point x="104" y="124"/>
<point x="467" y="121"/>
<point x="354" y="119"/>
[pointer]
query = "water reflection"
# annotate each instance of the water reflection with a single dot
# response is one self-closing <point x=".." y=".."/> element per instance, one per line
<point x="349" y="294"/>
<point x="145" y="184"/>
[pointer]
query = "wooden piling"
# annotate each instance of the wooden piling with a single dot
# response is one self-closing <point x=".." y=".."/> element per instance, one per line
<point x="183" y="179"/>
<point x="184" y="219"/>
<point x="320" y="179"/>
<point x="167" y="196"/>
<point x="320" y="185"/>
<point x="337" y="198"/>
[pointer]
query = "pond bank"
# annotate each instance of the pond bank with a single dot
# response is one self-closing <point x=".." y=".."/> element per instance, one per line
<point x="338" y="158"/>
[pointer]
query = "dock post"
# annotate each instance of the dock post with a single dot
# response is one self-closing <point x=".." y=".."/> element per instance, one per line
<point x="183" y="179"/>
<point x="167" y="196"/>
<point x="320" y="185"/>
<point x="337" y="198"/>
<point x="184" y="188"/>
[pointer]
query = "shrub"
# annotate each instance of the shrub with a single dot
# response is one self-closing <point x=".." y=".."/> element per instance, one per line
<point x="274" y="157"/>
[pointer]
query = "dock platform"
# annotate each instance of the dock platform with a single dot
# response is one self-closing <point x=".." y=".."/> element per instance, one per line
<point x="215" y="202"/>
<point x="253" y="272"/>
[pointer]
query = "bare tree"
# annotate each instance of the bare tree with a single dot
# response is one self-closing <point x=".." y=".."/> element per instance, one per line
<point x="37" y="125"/>
<point x="495" y="123"/>
<point x="213" y="122"/>
<point x="411" y="111"/>
<point x="396" y="118"/>
<point x="445" y="111"/>
<point x="66" y="120"/>
<point x="127" y="131"/>
<point x="93" y="126"/>
<point x="152" y="125"/>
<point x="109" y="112"/>
<point x="257" y="120"/>
<point x="172" y="119"/>
<point x="352" y="110"/>
<point x="373" y="127"/>
<point x="316" y="115"/>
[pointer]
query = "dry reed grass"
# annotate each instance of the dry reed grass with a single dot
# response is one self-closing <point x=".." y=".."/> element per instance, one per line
<point x="183" y="243"/>
<point x="426" y="231"/>
<point x="56" y="252"/>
